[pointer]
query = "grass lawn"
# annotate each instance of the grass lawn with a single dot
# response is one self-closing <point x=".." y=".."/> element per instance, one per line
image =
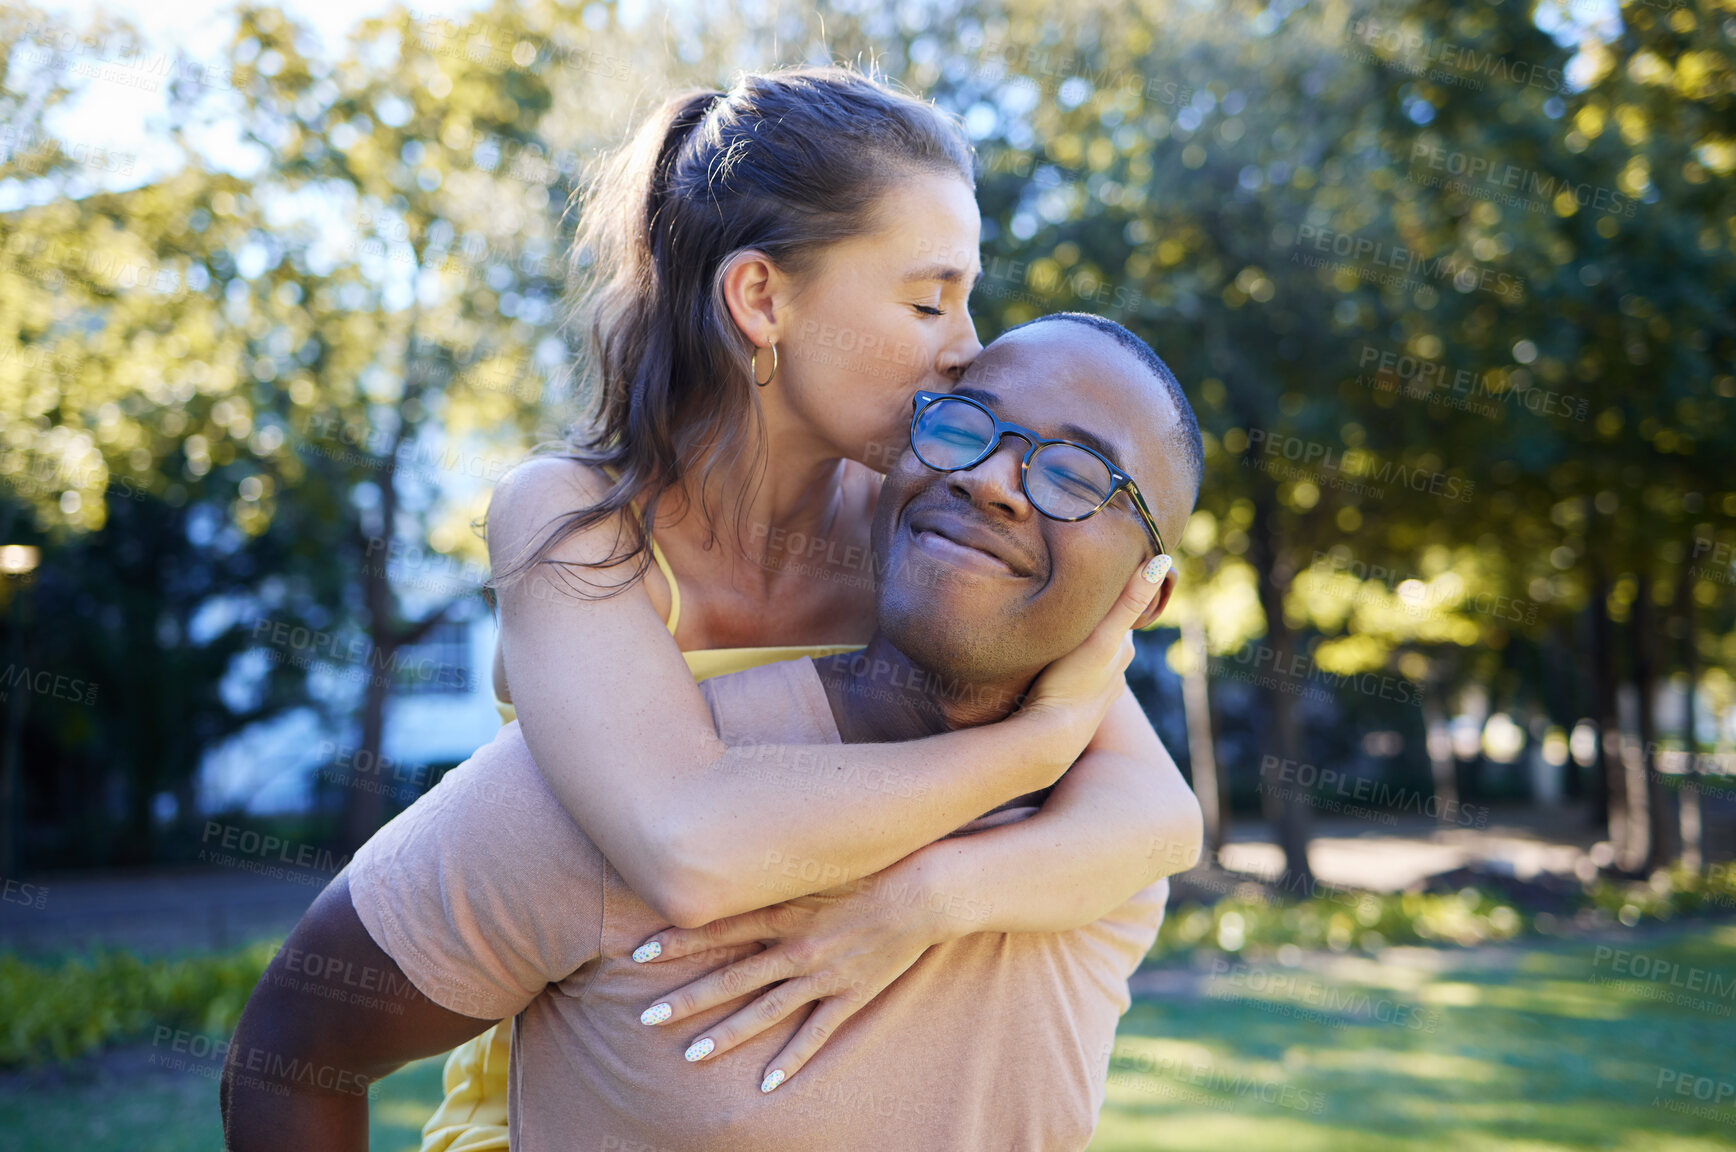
<point x="122" y="1103"/>
<point x="1518" y="1048"/>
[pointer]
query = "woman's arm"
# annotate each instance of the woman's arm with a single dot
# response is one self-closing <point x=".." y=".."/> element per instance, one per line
<point x="1120" y="819"/>
<point x="700" y="830"/>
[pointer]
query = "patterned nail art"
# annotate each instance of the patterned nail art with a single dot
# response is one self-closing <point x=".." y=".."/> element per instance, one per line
<point x="772" y="1080"/>
<point x="656" y="1014"/>
<point x="647" y="952"/>
<point x="1157" y="569"/>
<point x="700" y="1050"/>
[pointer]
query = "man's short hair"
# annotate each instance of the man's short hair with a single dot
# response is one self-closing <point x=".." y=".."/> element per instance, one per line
<point x="1187" y="435"/>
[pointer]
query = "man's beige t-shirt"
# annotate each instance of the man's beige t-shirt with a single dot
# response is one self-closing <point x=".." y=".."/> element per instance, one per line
<point x="495" y="904"/>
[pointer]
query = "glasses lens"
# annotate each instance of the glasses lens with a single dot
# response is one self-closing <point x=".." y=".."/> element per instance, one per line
<point x="951" y="434"/>
<point x="1068" y="482"/>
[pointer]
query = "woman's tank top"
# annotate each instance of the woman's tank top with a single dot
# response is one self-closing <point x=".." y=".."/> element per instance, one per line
<point x="705" y="663"/>
<point x="472" y="1117"/>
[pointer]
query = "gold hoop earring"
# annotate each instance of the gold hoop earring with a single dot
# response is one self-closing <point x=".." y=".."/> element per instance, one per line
<point x="755" y="365"/>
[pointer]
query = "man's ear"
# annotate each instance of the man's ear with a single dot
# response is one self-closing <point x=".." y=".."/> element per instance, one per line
<point x="1148" y="618"/>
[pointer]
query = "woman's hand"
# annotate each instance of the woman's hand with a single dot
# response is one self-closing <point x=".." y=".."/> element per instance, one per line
<point x="835" y="949"/>
<point x="1073" y="694"/>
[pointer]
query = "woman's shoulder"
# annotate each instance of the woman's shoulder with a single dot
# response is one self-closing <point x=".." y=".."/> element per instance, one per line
<point x="537" y="495"/>
<point x="545" y="478"/>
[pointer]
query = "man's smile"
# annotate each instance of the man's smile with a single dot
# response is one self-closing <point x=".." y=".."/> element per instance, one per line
<point x="962" y="542"/>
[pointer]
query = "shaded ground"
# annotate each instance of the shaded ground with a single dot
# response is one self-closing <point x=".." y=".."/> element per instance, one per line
<point x="219" y="907"/>
<point x="171" y="910"/>
<point x="1524" y="843"/>
<point x="1553" y="1044"/>
<point x="139" y="1099"/>
<point x="1506" y="1048"/>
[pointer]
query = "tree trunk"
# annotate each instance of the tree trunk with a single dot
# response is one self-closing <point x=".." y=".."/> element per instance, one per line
<point x="1196" y="701"/>
<point x="1283" y="802"/>
<point x="1558" y="685"/>
<point x="365" y="805"/>
<point x="1660" y="828"/>
<point x="11" y="754"/>
<point x="1693" y="857"/>
<point x="1610" y="792"/>
<point x="12" y="737"/>
<point x="1442" y="763"/>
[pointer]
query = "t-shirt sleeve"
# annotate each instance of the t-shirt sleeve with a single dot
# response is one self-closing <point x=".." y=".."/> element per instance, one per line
<point x="1127" y="933"/>
<point x="484" y="891"/>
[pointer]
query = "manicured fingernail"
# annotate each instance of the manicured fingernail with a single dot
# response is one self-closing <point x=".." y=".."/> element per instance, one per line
<point x="1157" y="569"/>
<point x="647" y="952"/>
<point x="772" y="1080"/>
<point x="700" y="1050"/>
<point x="655" y="1014"/>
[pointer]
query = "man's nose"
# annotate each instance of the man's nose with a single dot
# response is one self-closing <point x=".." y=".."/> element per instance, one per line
<point x="994" y="483"/>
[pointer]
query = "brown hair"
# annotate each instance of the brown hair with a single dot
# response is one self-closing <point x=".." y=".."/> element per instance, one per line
<point x="787" y="163"/>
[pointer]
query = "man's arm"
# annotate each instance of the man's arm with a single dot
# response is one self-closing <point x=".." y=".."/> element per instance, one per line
<point x="332" y="1015"/>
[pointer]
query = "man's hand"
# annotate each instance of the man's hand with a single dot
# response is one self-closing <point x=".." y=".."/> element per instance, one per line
<point x="332" y="1014"/>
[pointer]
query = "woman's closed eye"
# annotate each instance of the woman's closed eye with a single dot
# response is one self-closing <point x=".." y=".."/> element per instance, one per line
<point x="928" y="310"/>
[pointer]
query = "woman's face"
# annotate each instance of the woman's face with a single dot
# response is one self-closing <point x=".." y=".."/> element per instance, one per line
<point x="879" y="317"/>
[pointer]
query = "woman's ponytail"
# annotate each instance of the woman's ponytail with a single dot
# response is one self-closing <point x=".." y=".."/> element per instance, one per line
<point x="786" y="163"/>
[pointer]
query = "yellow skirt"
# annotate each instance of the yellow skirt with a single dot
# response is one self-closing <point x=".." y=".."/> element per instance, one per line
<point x="472" y="1118"/>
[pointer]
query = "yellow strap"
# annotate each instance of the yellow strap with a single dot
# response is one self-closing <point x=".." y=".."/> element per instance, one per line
<point x="662" y="566"/>
<point x="674" y="588"/>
